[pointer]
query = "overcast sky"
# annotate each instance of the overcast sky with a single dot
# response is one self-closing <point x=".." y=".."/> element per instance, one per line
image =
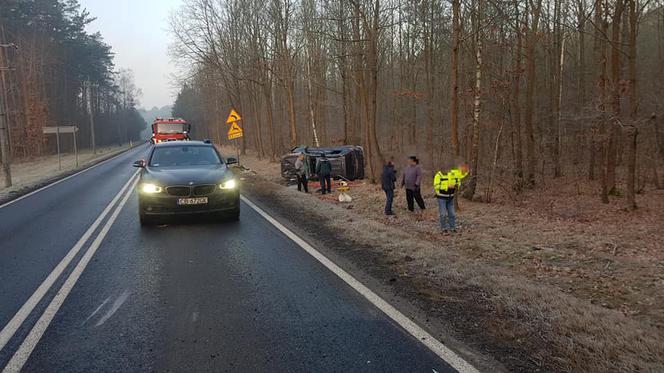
<point x="137" y="32"/>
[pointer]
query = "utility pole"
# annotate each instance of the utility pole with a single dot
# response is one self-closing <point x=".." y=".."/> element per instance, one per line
<point x="4" y="114"/>
<point x="88" y="90"/>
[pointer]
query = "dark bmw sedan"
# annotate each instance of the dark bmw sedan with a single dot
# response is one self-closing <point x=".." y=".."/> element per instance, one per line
<point x="184" y="178"/>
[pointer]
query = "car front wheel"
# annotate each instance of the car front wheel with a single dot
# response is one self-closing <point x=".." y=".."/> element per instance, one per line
<point x="145" y="219"/>
<point x="235" y="215"/>
<point x="226" y="216"/>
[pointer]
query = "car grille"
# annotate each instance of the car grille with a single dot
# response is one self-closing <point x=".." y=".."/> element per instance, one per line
<point x="203" y="190"/>
<point x="179" y="191"/>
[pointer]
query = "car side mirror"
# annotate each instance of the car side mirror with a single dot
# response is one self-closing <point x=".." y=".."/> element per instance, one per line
<point x="140" y="163"/>
<point x="231" y="160"/>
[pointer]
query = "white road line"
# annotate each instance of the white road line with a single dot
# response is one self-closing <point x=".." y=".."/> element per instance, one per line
<point x="23" y="353"/>
<point x="61" y="180"/>
<point x="15" y="323"/>
<point x="449" y="356"/>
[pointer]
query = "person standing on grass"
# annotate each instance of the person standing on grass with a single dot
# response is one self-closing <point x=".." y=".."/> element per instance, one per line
<point x="387" y="180"/>
<point x="445" y="184"/>
<point x="301" y="173"/>
<point x="412" y="180"/>
<point x="324" y="172"/>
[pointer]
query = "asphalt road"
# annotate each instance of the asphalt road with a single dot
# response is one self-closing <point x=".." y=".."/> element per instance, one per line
<point x="195" y="296"/>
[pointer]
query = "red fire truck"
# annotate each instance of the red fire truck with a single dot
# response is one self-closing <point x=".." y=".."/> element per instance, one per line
<point x="170" y="130"/>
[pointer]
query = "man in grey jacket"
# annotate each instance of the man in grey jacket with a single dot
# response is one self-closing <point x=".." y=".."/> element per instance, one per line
<point x="412" y="180"/>
<point x="301" y="172"/>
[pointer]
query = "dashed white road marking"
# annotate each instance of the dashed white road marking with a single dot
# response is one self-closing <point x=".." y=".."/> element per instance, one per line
<point x="30" y="342"/>
<point x="15" y="323"/>
<point x="116" y="306"/>
<point x="449" y="356"/>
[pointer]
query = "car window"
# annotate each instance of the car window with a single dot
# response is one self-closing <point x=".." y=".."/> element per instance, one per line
<point x="170" y="128"/>
<point x="184" y="156"/>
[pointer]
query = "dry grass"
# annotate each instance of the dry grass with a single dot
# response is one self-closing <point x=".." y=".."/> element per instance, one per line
<point x="577" y="283"/>
<point x="27" y="173"/>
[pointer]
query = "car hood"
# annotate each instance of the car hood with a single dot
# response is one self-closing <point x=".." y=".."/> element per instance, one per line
<point x="191" y="175"/>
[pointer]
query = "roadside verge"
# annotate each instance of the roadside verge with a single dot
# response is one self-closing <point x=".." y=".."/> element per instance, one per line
<point x="524" y="325"/>
<point x="7" y="195"/>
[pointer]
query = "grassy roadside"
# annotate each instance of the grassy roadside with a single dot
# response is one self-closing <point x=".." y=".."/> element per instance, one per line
<point x="524" y="323"/>
<point x="31" y="174"/>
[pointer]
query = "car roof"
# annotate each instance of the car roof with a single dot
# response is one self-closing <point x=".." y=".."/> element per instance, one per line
<point x="182" y="143"/>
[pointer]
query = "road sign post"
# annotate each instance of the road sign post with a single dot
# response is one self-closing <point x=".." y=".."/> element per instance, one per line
<point x="237" y="150"/>
<point x="235" y="132"/>
<point x="57" y="142"/>
<point x="57" y="131"/>
<point x="75" y="147"/>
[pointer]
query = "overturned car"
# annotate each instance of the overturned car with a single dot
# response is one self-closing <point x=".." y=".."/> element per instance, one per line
<point x="347" y="161"/>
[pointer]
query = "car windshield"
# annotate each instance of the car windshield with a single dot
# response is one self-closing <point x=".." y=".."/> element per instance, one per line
<point x="170" y="128"/>
<point x="185" y="155"/>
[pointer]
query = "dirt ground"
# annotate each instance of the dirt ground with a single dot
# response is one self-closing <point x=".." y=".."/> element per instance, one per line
<point x="27" y="173"/>
<point x="570" y="282"/>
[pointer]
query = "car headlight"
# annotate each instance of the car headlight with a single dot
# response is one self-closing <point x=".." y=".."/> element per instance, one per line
<point x="150" y="188"/>
<point x="228" y="184"/>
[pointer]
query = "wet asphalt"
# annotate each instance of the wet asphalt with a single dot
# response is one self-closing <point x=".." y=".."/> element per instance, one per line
<point x="189" y="296"/>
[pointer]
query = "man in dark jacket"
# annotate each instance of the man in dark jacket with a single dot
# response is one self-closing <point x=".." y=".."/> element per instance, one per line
<point x="324" y="172"/>
<point x="412" y="180"/>
<point x="387" y="180"/>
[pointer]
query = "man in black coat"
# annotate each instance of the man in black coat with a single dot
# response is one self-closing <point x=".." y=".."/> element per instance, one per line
<point x="324" y="171"/>
<point x="387" y="180"/>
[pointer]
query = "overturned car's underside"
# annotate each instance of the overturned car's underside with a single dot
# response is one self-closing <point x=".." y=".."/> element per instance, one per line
<point x="347" y="161"/>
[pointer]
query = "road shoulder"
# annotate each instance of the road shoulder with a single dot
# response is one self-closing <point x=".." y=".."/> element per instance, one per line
<point x="9" y="194"/>
<point x="364" y="262"/>
<point x="524" y="325"/>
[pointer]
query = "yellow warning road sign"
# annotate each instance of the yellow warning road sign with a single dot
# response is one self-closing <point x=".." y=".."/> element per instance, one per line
<point x="233" y="117"/>
<point x="235" y="132"/>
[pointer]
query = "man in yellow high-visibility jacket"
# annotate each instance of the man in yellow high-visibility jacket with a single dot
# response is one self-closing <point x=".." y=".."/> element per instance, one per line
<point x="445" y="185"/>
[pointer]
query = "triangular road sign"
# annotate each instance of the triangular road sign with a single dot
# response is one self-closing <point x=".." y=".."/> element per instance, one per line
<point x="235" y="131"/>
<point x="233" y="117"/>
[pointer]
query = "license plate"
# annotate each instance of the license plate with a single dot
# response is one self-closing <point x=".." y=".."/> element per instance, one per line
<point x="192" y="201"/>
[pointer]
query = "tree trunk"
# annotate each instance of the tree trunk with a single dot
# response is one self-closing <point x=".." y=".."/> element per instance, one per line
<point x="531" y="74"/>
<point x="267" y="95"/>
<point x="290" y="96"/>
<point x="659" y="135"/>
<point x="259" y="127"/>
<point x="581" y="24"/>
<point x="429" y="78"/>
<point x="454" y="78"/>
<point x="496" y="154"/>
<point x="631" y="65"/>
<point x="372" y="59"/>
<point x="516" y="102"/>
<point x="612" y="150"/>
<point x="592" y="163"/>
<point x="312" y="113"/>
<point x="631" y="174"/>
<point x="559" y="125"/>
<point x="601" y="27"/>
<point x="477" y="106"/>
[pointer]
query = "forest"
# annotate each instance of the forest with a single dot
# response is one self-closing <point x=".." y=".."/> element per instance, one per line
<point x="525" y="92"/>
<point x="55" y="73"/>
